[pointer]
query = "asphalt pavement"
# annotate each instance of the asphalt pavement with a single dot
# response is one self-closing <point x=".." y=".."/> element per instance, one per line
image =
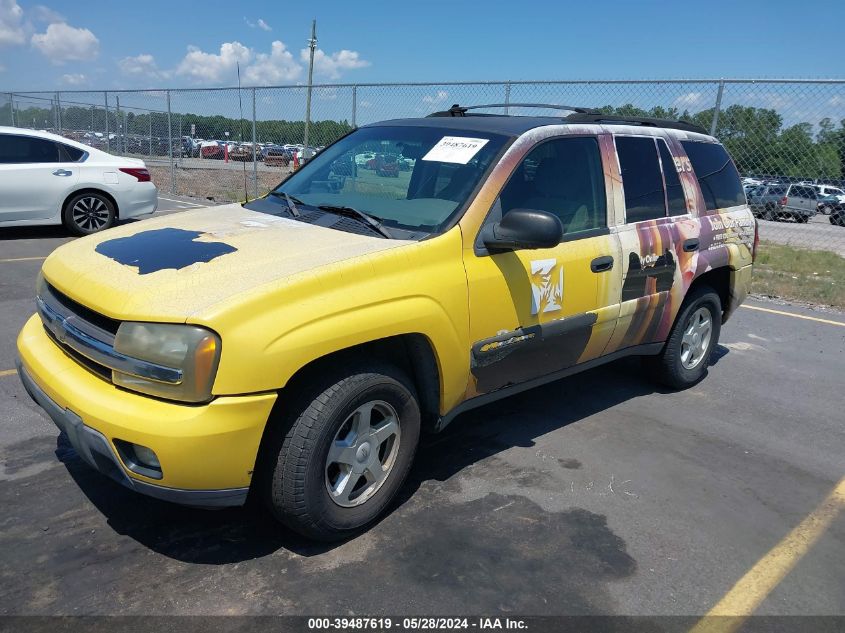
<point x="599" y="494"/>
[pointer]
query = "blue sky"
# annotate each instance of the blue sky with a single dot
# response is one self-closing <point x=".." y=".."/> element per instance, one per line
<point x="53" y="44"/>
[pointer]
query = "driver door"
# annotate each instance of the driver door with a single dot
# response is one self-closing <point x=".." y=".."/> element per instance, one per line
<point x="534" y="313"/>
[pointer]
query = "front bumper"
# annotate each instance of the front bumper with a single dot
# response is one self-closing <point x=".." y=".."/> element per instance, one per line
<point x="207" y="452"/>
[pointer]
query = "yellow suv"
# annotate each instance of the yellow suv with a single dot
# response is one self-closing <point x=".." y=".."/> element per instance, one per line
<point x="296" y="346"/>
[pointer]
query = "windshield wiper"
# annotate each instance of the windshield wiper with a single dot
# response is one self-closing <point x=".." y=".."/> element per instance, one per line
<point x="290" y="201"/>
<point x="365" y="218"/>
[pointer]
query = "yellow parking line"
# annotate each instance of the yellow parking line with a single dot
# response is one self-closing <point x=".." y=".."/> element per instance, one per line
<point x="750" y="591"/>
<point x="792" y="314"/>
<point x="21" y="259"/>
<point x="8" y="372"/>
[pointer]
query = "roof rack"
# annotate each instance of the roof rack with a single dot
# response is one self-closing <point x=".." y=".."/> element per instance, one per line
<point x="579" y="115"/>
<point x="611" y="119"/>
<point x="458" y="110"/>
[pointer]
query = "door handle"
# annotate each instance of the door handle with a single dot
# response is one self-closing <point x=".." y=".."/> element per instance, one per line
<point x="62" y="172"/>
<point x="601" y="264"/>
<point x="691" y="245"/>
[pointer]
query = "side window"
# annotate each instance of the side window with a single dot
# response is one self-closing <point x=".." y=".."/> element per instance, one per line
<point x="16" y="149"/>
<point x="563" y="176"/>
<point x="70" y="154"/>
<point x="641" y="178"/>
<point x="717" y="176"/>
<point x="675" y="198"/>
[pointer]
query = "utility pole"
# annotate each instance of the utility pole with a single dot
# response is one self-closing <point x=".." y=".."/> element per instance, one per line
<point x="312" y="44"/>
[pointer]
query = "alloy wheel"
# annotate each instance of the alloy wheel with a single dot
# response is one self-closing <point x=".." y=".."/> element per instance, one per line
<point x="362" y="453"/>
<point x="696" y="339"/>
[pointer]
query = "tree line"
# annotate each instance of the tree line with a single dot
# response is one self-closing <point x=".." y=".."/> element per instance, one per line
<point x="755" y="137"/>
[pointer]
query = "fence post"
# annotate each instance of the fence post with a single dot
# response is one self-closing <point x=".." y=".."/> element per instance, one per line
<point x="254" y="155"/>
<point x="59" y="111"/>
<point x="354" y="106"/>
<point x="12" y="106"/>
<point x="170" y="146"/>
<point x="108" y="141"/>
<point x="117" y="120"/>
<point x="507" y="97"/>
<point x="150" y="121"/>
<point x="717" y="108"/>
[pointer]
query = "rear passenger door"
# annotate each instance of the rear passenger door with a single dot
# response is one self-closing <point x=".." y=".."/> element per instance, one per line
<point x="536" y="312"/>
<point x="655" y="214"/>
<point x="801" y="201"/>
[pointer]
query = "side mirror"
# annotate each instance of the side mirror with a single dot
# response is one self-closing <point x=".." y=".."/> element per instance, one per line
<point x="523" y="229"/>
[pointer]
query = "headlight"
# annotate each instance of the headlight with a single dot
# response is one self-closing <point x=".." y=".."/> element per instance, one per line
<point x="193" y="350"/>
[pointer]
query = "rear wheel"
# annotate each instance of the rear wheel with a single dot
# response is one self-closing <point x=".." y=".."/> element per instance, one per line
<point x="770" y="213"/>
<point x="338" y="460"/>
<point x="686" y="355"/>
<point x="87" y="213"/>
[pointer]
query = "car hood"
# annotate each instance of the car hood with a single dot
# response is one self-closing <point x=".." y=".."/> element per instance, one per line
<point x="172" y="267"/>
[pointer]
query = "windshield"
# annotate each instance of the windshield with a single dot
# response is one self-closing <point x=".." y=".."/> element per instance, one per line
<point x="411" y="178"/>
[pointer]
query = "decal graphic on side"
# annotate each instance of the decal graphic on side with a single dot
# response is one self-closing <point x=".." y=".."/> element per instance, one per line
<point x="159" y="249"/>
<point x="546" y="286"/>
<point x="660" y="268"/>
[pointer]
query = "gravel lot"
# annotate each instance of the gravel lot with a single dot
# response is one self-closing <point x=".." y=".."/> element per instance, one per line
<point x="596" y="495"/>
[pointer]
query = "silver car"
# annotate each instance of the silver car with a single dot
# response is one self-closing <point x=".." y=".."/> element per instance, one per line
<point x="778" y="202"/>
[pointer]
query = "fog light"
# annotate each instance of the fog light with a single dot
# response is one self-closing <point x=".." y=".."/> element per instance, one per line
<point x="146" y="457"/>
<point x="139" y="459"/>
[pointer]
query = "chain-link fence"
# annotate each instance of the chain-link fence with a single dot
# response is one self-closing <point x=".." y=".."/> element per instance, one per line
<point x="229" y="144"/>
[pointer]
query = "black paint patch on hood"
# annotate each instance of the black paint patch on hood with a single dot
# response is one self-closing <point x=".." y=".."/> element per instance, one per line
<point x="160" y="249"/>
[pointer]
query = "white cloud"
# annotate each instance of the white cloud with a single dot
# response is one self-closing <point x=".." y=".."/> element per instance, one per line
<point x="62" y="43"/>
<point x="260" y="24"/>
<point x="210" y="68"/>
<point x="441" y="96"/>
<point x="688" y="100"/>
<point x="143" y="65"/>
<point x="11" y="23"/>
<point x="74" y="79"/>
<point x="277" y="67"/>
<point x="40" y="13"/>
<point x="332" y="65"/>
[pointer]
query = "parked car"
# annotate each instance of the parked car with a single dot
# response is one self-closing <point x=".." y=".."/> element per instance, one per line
<point x="384" y="165"/>
<point x="778" y="202"/>
<point x="298" y="344"/>
<point x="276" y="155"/>
<point x="837" y="215"/>
<point x="48" y="179"/>
<point x="363" y="159"/>
<point x="211" y="149"/>
<point x="826" y="203"/>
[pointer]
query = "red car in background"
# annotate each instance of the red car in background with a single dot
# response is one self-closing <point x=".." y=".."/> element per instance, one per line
<point x="385" y="165"/>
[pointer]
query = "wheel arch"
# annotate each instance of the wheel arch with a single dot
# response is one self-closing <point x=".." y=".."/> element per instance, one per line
<point x="101" y="192"/>
<point x="413" y="353"/>
<point x="721" y="280"/>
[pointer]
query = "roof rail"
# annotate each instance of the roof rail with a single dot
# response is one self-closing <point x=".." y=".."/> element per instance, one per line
<point x="612" y="119"/>
<point x="458" y="110"/>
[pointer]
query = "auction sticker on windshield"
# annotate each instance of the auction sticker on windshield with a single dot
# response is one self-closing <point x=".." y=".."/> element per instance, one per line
<point x="455" y="149"/>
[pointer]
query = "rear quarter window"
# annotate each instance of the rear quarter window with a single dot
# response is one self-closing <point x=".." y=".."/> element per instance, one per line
<point x="716" y="174"/>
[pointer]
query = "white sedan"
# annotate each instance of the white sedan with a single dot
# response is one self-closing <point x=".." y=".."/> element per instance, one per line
<point x="48" y="179"/>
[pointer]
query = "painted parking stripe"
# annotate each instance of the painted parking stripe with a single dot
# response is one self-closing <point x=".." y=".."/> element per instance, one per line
<point x="193" y="204"/>
<point x="22" y="259"/>
<point x="8" y="372"/>
<point x="749" y="592"/>
<point x="792" y="314"/>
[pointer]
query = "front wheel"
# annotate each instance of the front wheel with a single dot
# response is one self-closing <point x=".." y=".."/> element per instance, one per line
<point x="686" y="355"/>
<point x="342" y="456"/>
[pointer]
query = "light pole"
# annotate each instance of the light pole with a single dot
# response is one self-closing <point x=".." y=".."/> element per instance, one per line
<point x="312" y="44"/>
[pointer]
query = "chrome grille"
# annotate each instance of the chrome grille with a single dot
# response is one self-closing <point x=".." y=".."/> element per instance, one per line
<point x="88" y="338"/>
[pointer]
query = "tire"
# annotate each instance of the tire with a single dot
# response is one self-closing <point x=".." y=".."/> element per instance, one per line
<point x="770" y="214"/>
<point x="321" y="495"/>
<point x="678" y="366"/>
<point x="88" y="212"/>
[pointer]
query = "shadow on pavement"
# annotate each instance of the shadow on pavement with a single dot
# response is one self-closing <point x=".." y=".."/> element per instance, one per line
<point x="239" y="534"/>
